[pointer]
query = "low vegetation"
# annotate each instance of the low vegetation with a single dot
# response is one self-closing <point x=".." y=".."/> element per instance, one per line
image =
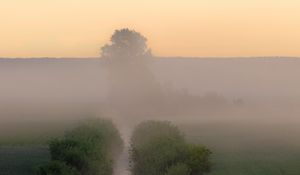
<point x="20" y="160"/>
<point x="159" y="148"/>
<point x="239" y="147"/>
<point x="89" y="148"/>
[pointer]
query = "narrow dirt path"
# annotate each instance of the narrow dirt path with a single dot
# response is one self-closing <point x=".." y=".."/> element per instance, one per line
<point x="122" y="164"/>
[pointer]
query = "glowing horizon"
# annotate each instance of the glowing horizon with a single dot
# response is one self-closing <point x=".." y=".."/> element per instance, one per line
<point x="199" y="28"/>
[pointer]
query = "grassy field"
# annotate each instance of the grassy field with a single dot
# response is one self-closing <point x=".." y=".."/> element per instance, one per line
<point x="32" y="133"/>
<point x="248" y="149"/>
<point x="21" y="160"/>
<point x="23" y="145"/>
<point x="238" y="148"/>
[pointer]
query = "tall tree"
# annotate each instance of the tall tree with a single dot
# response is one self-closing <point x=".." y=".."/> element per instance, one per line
<point x="133" y="87"/>
<point x="125" y="43"/>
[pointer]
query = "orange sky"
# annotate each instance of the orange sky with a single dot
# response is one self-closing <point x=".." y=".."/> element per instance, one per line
<point x="78" y="28"/>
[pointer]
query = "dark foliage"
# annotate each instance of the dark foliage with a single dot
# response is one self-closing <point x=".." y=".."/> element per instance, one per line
<point x="88" y="149"/>
<point x="56" y="168"/>
<point x="125" y="43"/>
<point x="159" y="148"/>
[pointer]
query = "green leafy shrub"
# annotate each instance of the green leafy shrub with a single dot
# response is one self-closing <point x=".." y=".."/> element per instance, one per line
<point x="198" y="159"/>
<point x="178" y="169"/>
<point x="149" y="130"/>
<point x="159" y="148"/>
<point x="89" y="148"/>
<point x="56" y="168"/>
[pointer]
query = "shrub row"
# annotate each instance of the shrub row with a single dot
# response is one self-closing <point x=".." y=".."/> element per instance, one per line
<point x="88" y="149"/>
<point x="159" y="148"/>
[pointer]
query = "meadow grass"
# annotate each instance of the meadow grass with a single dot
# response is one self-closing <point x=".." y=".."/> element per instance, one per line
<point x="247" y="149"/>
<point x="238" y="148"/>
<point x="23" y="145"/>
<point x="21" y="160"/>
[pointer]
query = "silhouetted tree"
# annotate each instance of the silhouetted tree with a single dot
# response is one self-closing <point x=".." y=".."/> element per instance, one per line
<point x="126" y="43"/>
<point x="133" y="89"/>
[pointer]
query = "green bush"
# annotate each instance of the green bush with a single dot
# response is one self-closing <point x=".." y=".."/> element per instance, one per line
<point x="56" y="168"/>
<point x="89" y="148"/>
<point x="159" y="148"/>
<point x="178" y="169"/>
<point x="149" y="130"/>
<point x="198" y="159"/>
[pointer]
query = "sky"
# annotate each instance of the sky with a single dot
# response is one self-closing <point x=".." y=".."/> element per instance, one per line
<point x="199" y="28"/>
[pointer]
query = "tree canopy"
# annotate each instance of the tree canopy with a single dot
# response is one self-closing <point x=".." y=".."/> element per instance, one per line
<point x="125" y="43"/>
